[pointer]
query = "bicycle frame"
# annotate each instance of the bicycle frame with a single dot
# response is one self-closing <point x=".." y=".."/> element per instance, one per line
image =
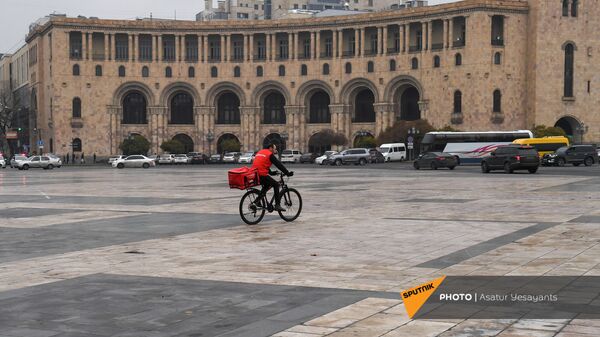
<point x="269" y="203"/>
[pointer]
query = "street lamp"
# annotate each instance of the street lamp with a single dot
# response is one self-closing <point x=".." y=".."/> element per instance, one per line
<point x="209" y="137"/>
<point x="412" y="133"/>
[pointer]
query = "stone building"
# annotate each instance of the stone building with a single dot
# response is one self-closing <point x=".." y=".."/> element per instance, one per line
<point x="475" y="65"/>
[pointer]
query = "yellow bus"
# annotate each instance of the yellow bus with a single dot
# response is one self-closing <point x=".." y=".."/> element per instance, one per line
<point x="544" y="145"/>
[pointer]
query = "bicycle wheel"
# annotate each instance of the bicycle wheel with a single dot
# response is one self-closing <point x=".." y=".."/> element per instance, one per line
<point x="251" y="208"/>
<point x="291" y="200"/>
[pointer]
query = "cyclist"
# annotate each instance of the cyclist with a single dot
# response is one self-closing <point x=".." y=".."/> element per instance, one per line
<point x="262" y="162"/>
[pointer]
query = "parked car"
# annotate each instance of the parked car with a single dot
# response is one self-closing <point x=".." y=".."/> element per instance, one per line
<point x="197" y="158"/>
<point x="134" y="161"/>
<point x="510" y="158"/>
<point x="574" y="154"/>
<point x="324" y="159"/>
<point x="54" y="159"/>
<point x="181" y="159"/>
<point x="376" y="156"/>
<point x="215" y="159"/>
<point x="35" y="162"/>
<point x="246" y="158"/>
<point x="14" y="162"/>
<point x="154" y="157"/>
<point x="2" y="161"/>
<point x="435" y="160"/>
<point x="231" y="157"/>
<point x="166" y="159"/>
<point x="291" y="156"/>
<point x="308" y="158"/>
<point x="113" y="158"/>
<point x="393" y="151"/>
<point x="358" y="156"/>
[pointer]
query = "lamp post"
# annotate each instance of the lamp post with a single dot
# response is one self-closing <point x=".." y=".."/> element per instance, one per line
<point x="581" y="129"/>
<point x="284" y="138"/>
<point x="412" y="135"/>
<point x="209" y="138"/>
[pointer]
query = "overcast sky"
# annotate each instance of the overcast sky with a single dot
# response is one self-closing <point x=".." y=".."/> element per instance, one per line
<point x="16" y="15"/>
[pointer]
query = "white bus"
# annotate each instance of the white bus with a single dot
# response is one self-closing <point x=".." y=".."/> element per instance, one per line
<point x="470" y="147"/>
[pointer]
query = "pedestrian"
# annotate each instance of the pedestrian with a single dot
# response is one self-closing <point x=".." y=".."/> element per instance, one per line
<point x="73" y="158"/>
<point x="67" y="160"/>
<point x="94" y="157"/>
<point x="82" y="158"/>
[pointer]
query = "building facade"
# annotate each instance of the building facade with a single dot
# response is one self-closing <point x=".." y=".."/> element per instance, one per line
<point x="475" y="65"/>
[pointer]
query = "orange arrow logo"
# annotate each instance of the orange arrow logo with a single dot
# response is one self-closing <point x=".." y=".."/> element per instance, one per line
<point x="414" y="298"/>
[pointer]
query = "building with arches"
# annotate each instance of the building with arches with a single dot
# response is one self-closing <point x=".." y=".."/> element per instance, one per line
<point x="473" y="64"/>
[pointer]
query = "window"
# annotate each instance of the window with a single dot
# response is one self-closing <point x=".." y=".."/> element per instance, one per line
<point x="348" y="68"/>
<point x="98" y="70"/>
<point x="215" y="51"/>
<point x="436" y="61"/>
<point x="76" y="145"/>
<point x="228" y="109"/>
<point x="262" y="53"/>
<point x="565" y="7"/>
<point x="191" y="48"/>
<point x="392" y="65"/>
<point x="168" y="72"/>
<point x="214" y="72"/>
<point x="121" y="71"/>
<point x="191" y="72"/>
<point x="76" y="70"/>
<point x="306" y="48"/>
<point x="303" y="70"/>
<point x="182" y="109"/>
<point x="328" y="47"/>
<point x="75" y="45"/>
<point x="457" y="101"/>
<point x="574" y="8"/>
<point x="370" y="67"/>
<point x="458" y="59"/>
<point x="414" y="63"/>
<point x="236" y="72"/>
<point x="121" y="47"/>
<point x="145" y="47"/>
<point x="145" y="72"/>
<point x="497" y="101"/>
<point x="168" y="45"/>
<point x="326" y="69"/>
<point x="568" y="71"/>
<point x="283" y="49"/>
<point x="238" y="50"/>
<point x="76" y="107"/>
<point x="497" y="58"/>
<point x="134" y="108"/>
<point x="259" y="71"/>
<point x="274" y="109"/>
<point x="319" y="108"/>
<point x="281" y="70"/>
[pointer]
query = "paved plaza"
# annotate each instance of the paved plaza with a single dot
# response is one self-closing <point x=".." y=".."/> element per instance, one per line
<point x="94" y="251"/>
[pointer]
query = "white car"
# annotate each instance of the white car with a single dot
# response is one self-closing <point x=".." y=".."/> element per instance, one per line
<point x="36" y="162"/>
<point x="2" y="162"/>
<point x="290" y="156"/>
<point x="166" y="159"/>
<point x="54" y="159"/>
<point x="321" y="160"/>
<point x="134" y="161"/>
<point x="246" y="158"/>
<point x="231" y="157"/>
<point x="114" y="158"/>
<point x="181" y="159"/>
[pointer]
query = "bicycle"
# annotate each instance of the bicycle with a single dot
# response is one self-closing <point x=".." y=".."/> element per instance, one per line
<point x="254" y="205"/>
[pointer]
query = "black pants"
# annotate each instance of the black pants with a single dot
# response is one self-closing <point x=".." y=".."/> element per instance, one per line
<point x="267" y="182"/>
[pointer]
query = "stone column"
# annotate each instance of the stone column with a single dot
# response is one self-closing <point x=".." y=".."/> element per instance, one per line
<point x="106" y="49"/>
<point x="84" y="46"/>
<point x="362" y="41"/>
<point x="160" y="49"/>
<point x="245" y="51"/>
<point x="268" y="47"/>
<point x="334" y="46"/>
<point x="407" y="37"/>
<point x="257" y="131"/>
<point x="445" y="34"/>
<point x="429" y="35"/>
<point x="312" y="45"/>
<point x="385" y="40"/>
<point x="222" y="48"/>
<point x="295" y="45"/>
<point x="129" y="46"/>
<point x="423" y="36"/>
<point x="356" y="42"/>
<point x="113" y="52"/>
<point x="318" y="45"/>
<point x="136" y="47"/>
<point x="205" y="48"/>
<point x="340" y="43"/>
<point x="251" y="47"/>
<point x="229" y="44"/>
<point x="382" y="119"/>
<point x="402" y="38"/>
<point x="274" y="47"/>
<point x="379" y="50"/>
<point x="450" y="33"/>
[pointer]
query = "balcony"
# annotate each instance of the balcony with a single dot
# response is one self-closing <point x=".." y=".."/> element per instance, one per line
<point x="98" y="57"/>
<point x="414" y="49"/>
<point x="348" y="53"/>
<point x="326" y="55"/>
<point x="497" y="118"/>
<point x="214" y="59"/>
<point x="303" y="57"/>
<point x="498" y="41"/>
<point x="237" y="59"/>
<point x="282" y="57"/>
<point x="458" y="43"/>
<point x="437" y="46"/>
<point x="370" y="52"/>
<point x="259" y="57"/>
<point x="393" y="51"/>
<point x="456" y="118"/>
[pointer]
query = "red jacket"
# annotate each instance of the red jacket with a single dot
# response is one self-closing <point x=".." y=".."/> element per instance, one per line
<point x="262" y="162"/>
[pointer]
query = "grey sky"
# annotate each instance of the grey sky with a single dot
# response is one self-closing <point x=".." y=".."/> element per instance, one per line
<point x="16" y="15"/>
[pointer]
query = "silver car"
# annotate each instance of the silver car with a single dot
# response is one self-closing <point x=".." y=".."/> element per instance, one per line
<point x="166" y="159"/>
<point x="181" y="159"/>
<point x="2" y="162"/>
<point x="14" y="162"/>
<point x="114" y="158"/>
<point x="356" y="156"/>
<point x="54" y="159"/>
<point x="134" y="161"/>
<point x="35" y="162"/>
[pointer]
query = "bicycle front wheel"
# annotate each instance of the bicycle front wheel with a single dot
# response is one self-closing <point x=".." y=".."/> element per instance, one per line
<point x="251" y="208"/>
<point x="291" y="200"/>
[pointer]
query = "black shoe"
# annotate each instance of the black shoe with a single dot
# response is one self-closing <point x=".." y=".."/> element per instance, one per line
<point x="279" y="208"/>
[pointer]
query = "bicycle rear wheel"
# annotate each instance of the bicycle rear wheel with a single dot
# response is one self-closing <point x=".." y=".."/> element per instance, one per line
<point x="251" y="208"/>
<point x="291" y="200"/>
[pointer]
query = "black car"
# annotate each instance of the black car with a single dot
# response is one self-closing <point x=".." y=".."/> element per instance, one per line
<point x="376" y="156"/>
<point x="198" y="158"/>
<point x="510" y="158"/>
<point x="435" y="160"/>
<point x="574" y="154"/>
<point x="308" y="158"/>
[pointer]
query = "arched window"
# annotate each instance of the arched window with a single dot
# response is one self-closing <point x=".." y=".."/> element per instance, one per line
<point x="414" y="63"/>
<point x="237" y="72"/>
<point x="319" y="108"/>
<point x="121" y="71"/>
<point x="76" y="107"/>
<point x="259" y="71"/>
<point x="569" y="66"/>
<point x="457" y="101"/>
<point x="168" y="72"/>
<point x="134" y="108"/>
<point x="565" y="7"/>
<point x="574" y="8"/>
<point x="274" y="109"/>
<point x="364" y="111"/>
<point x="145" y="72"/>
<point x="370" y="67"/>
<point x="281" y="70"/>
<point x="348" y="68"/>
<point x="98" y="70"/>
<point x="191" y="72"/>
<point x="228" y="109"/>
<point x="182" y="109"/>
<point x="497" y="101"/>
<point x="76" y="70"/>
<point x="392" y="65"/>
<point x="436" y="61"/>
<point x="497" y="58"/>
<point x="77" y="145"/>
<point x="326" y="69"/>
<point x="214" y="72"/>
<point x="458" y="59"/>
<point x="303" y="70"/>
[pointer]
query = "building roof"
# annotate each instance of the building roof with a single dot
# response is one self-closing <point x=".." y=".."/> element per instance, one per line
<point x="336" y="12"/>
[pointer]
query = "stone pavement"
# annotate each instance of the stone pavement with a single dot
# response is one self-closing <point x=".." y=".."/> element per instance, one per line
<point x="162" y="252"/>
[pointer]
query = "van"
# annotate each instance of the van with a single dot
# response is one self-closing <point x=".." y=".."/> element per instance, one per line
<point x="393" y="152"/>
<point x="545" y="145"/>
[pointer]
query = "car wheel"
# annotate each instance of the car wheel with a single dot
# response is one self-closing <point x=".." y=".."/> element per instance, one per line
<point x="362" y="162"/>
<point x="433" y="166"/>
<point x="120" y="165"/>
<point x="561" y="162"/>
<point x="507" y="168"/>
<point x="50" y="167"/>
<point x="451" y="167"/>
<point x="485" y="168"/>
<point x="533" y="170"/>
<point x="25" y="167"/>
<point x="589" y="161"/>
<point x="145" y="165"/>
<point x="338" y="162"/>
<point x="576" y="164"/>
<point x="416" y="165"/>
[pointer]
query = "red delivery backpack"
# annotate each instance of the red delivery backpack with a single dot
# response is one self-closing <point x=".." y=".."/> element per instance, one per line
<point x="243" y="178"/>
